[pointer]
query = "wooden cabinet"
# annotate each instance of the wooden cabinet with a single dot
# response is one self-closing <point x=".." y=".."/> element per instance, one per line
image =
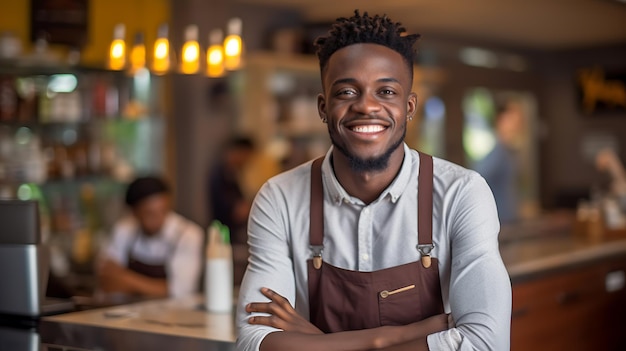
<point x="582" y="307"/>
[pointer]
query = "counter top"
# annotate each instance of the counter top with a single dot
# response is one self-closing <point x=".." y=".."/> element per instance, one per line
<point x="538" y="248"/>
<point x="168" y="324"/>
<point x="524" y="260"/>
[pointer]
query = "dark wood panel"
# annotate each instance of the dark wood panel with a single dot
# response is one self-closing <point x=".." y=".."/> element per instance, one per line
<point x="571" y="310"/>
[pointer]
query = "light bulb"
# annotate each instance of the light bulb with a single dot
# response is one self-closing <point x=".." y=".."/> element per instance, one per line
<point x="215" y="54"/>
<point x="233" y="45"/>
<point x="191" y="51"/>
<point x="117" y="52"/>
<point x="161" y="56"/>
<point x="138" y="54"/>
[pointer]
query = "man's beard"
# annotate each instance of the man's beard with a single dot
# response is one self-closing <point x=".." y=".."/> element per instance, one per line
<point x="372" y="164"/>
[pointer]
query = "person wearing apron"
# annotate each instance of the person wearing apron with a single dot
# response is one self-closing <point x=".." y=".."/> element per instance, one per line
<point x="154" y="252"/>
<point x="375" y="246"/>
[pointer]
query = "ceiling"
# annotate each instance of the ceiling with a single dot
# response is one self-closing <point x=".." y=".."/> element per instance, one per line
<point x="534" y="24"/>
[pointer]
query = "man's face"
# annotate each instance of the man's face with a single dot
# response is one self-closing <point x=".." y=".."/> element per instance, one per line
<point x="151" y="213"/>
<point x="511" y="124"/>
<point x="366" y="101"/>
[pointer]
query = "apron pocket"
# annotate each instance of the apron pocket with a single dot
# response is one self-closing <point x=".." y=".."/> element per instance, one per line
<point x="399" y="306"/>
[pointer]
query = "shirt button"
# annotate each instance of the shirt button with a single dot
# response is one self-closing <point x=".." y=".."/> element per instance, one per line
<point x="365" y="257"/>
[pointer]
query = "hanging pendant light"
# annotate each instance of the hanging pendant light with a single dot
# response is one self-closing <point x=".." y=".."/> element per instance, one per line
<point x="233" y="45"/>
<point x="191" y="51"/>
<point x="117" y="51"/>
<point x="138" y="54"/>
<point x="215" y="54"/>
<point x="161" y="55"/>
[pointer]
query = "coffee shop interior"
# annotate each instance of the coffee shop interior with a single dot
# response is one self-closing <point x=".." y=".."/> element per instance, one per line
<point x="94" y="93"/>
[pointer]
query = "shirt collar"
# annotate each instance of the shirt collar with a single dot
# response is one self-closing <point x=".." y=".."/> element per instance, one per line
<point x="170" y="224"/>
<point x="339" y="195"/>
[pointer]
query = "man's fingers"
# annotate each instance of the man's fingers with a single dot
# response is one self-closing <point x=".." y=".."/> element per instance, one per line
<point x="270" y="321"/>
<point x="279" y="308"/>
<point x="279" y="299"/>
<point x="263" y="307"/>
<point x="268" y="307"/>
<point x="280" y="314"/>
<point x="274" y="296"/>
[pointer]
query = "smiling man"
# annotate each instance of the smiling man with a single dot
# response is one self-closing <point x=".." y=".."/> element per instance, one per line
<point x="375" y="245"/>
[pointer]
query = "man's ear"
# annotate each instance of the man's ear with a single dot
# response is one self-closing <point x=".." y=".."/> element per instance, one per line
<point x="321" y="107"/>
<point x="411" y="105"/>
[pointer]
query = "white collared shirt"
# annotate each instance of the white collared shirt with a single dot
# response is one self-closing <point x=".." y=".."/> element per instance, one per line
<point x="475" y="285"/>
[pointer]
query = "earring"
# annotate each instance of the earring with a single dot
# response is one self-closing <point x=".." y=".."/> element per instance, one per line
<point x="324" y="120"/>
<point x="410" y="117"/>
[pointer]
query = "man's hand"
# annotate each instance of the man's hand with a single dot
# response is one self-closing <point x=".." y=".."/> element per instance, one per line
<point x="282" y="314"/>
<point x="301" y="332"/>
<point x="112" y="277"/>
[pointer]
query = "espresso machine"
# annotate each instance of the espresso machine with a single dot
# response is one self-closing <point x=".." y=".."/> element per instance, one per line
<point x="24" y="269"/>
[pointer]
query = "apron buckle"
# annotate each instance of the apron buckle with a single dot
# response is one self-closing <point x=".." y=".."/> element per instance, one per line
<point x="425" y="250"/>
<point x="317" y="255"/>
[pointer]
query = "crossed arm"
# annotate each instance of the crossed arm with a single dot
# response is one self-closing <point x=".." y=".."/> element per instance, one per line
<point x="301" y="334"/>
<point x="113" y="277"/>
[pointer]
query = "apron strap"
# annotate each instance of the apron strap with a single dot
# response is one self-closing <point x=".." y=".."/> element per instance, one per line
<point x="425" y="208"/>
<point x="316" y="224"/>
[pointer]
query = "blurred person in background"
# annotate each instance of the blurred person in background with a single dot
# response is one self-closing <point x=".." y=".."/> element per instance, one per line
<point x="154" y="252"/>
<point x="500" y="167"/>
<point x="226" y="196"/>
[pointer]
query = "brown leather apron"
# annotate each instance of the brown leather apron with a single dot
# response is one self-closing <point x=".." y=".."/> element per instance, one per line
<point x="341" y="299"/>
<point x="157" y="271"/>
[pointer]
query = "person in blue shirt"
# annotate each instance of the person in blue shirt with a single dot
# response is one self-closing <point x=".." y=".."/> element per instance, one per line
<point x="500" y="167"/>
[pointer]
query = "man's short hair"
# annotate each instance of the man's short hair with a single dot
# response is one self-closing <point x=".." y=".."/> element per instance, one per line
<point x="365" y="29"/>
<point x="144" y="187"/>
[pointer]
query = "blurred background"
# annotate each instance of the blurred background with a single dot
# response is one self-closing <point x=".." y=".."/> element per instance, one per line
<point x="79" y="120"/>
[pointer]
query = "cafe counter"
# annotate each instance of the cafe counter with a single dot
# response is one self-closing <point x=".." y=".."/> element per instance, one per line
<point x="568" y="293"/>
<point x="169" y="324"/>
<point x="552" y="244"/>
<point x="569" y="285"/>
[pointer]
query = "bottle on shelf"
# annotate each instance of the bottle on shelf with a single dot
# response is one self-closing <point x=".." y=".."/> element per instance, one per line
<point x="105" y="98"/>
<point x="27" y="99"/>
<point x="8" y="99"/>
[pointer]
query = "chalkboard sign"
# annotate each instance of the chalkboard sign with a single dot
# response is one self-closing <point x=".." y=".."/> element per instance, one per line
<point x="60" y="21"/>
